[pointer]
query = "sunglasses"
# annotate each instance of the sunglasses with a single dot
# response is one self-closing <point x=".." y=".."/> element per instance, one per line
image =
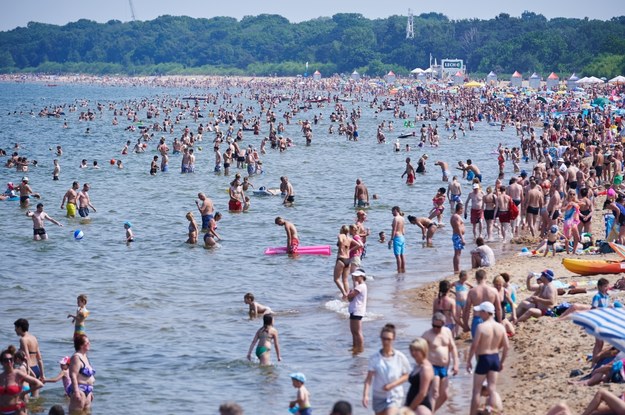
<point x="436" y="326"/>
<point x="6" y="359"/>
<point x="387" y="339"/>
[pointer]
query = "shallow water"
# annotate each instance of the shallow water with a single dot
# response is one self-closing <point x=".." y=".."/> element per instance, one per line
<point x="168" y="325"/>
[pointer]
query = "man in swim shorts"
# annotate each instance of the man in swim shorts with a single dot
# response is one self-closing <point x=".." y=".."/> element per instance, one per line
<point x="409" y="172"/>
<point x="39" y="216"/>
<point x="70" y="197"/>
<point x="397" y="239"/>
<point x="476" y="200"/>
<point x="454" y="193"/>
<point x="490" y="339"/>
<point x="477" y="295"/>
<point x="292" y="241"/>
<point x="30" y="345"/>
<point x="206" y="210"/>
<point x="457" y="227"/>
<point x="361" y="194"/>
<point x="442" y="350"/>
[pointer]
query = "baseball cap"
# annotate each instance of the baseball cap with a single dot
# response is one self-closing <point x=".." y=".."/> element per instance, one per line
<point x="25" y="179"/>
<point x="476" y="186"/>
<point x="523" y="173"/>
<point x="359" y="273"/>
<point x="563" y="168"/>
<point x="547" y="274"/>
<point x="486" y="306"/>
<point x="298" y="376"/>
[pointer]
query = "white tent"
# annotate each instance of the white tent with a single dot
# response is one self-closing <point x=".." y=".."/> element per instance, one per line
<point x="617" y="80"/>
<point x="417" y="71"/>
<point x="589" y="80"/>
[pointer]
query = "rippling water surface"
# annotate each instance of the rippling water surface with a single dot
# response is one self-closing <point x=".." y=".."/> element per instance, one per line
<point x="168" y="325"/>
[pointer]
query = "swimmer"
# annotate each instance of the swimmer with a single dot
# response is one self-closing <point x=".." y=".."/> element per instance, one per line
<point x="256" y="308"/>
<point x="301" y="404"/>
<point x="381" y="237"/>
<point x="427" y="226"/>
<point x="81" y="315"/>
<point x="264" y="336"/>
<point x="56" y="171"/>
<point x="130" y="237"/>
<point x="39" y="216"/>
<point x="70" y="196"/>
<point x="292" y="241"/>
<point x="211" y="237"/>
<point x="193" y="230"/>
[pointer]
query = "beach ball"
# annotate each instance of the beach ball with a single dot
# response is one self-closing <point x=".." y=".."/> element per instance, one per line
<point x="78" y="235"/>
<point x="112" y="162"/>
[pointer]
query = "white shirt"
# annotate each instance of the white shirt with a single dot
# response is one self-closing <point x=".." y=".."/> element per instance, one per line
<point x="358" y="304"/>
<point x="387" y="370"/>
<point x="487" y="255"/>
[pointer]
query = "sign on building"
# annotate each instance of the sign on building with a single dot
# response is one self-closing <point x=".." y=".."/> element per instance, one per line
<point x="452" y="65"/>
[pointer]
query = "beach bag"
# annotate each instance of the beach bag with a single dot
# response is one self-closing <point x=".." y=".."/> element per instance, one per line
<point x="514" y="210"/>
<point x="605" y="248"/>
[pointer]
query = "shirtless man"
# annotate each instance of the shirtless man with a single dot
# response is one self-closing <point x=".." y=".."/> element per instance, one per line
<point x="442" y="349"/>
<point x="476" y="171"/>
<point x="553" y="207"/>
<point x="25" y="192"/>
<point x="398" y="241"/>
<point x="70" y="197"/>
<point x="39" y="216"/>
<point x="361" y="194"/>
<point x="502" y="211"/>
<point x="409" y="172"/>
<point x="292" y="241"/>
<point x="454" y="193"/>
<point x="286" y="189"/>
<point x="84" y="202"/>
<point x="30" y="346"/>
<point x="444" y="169"/>
<point x="184" y="163"/>
<point x="535" y="200"/>
<point x="544" y="298"/>
<point x="228" y="156"/>
<point x="477" y="295"/>
<point x="457" y="227"/>
<point x="427" y="226"/>
<point x="206" y="210"/>
<point x="476" y="200"/>
<point x="515" y="191"/>
<point x="490" y="338"/>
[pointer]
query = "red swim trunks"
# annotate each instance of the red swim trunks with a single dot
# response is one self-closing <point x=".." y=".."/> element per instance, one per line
<point x="476" y="215"/>
<point x="504" y="217"/>
<point x="410" y="178"/>
<point x="235" y="205"/>
<point x="294" y="246"/>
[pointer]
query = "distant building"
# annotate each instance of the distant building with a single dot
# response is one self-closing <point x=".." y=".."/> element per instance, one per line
<point x="553" y="82"/>
<point x="535" y="81"/>
<point x="491" y="78"/>
<point x="390" y="77"/>
<point x="516" y="79"/>
<point x="317" y="75"/>
<point x="459" y="78"/>
<point x="355" y="76"/>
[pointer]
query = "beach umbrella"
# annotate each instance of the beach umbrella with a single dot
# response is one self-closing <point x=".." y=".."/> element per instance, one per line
<point x="542" y="99"/>
<point x="601" y="102"/>
<point x="473" y="84"/>
<point x="617" y="80"/>
<point x="607" y="324"/>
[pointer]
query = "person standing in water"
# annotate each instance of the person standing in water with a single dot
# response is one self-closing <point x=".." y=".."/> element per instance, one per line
<point x="264" y="336"/>
<point x="81" y="315"/>
<point x="292" y="242"/>
<point x="39" y="216"/>
<point x="398" y="242"/>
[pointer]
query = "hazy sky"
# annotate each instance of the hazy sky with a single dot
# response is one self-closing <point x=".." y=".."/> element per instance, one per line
<point x="19" y="12"/>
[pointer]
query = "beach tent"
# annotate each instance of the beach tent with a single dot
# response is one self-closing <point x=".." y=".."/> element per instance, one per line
<point x="571" y="82"/>
<point x="589" y="81"/>
<point x="355" y="76"/>
<point x="473" y="84"/>
<point x="618" y="80"/>
<point x="607" y="324"/>
<point x="390" y="77"/>
<point x="417" y="71"/>
<point x="516" y="79"/>
<point x="458" y="78"/>
<point x="422" y="76"/>
<point x="553" y="81"/>
<point x="535" y="81"/>
<point x="317" y="75"/>
<point x="491" y="78"/>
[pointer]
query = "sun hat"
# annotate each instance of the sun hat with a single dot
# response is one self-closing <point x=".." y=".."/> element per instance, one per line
<point x="486" y="306"/>
<point x="547" y="274"/>
<point x="25" y="179"/>
<point x="359" y="273"/>
<point x="64" y="360"/>
<point x="299" y="376"/>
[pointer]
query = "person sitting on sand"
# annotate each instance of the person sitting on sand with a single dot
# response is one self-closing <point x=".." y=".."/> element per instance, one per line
<point x="544" y="298"/>
<point x="482" y="256"/>
<point x="612" y="405"/>
<point x="551" y="241"/>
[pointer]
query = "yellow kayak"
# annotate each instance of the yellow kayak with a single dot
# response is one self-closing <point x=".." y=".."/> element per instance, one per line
<point x="593" y="266"/>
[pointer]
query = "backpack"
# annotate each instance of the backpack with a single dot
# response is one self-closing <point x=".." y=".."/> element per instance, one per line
<point x="514" y="210"/>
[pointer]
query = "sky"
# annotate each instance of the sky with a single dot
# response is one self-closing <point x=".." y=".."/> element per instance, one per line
<point x="17" y="13"/>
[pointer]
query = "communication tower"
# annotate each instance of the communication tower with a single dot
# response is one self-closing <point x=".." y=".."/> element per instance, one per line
<point x="410" y="26"/>
<point x="132" y="10"/>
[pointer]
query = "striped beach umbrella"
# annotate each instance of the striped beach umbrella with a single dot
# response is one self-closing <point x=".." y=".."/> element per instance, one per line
<point x="607" y="324"/>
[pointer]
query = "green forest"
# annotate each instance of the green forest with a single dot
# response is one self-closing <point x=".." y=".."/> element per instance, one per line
<point x="271" y="45"/>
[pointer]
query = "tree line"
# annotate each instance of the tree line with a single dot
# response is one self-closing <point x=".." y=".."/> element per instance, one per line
<point x="271" y="45"/>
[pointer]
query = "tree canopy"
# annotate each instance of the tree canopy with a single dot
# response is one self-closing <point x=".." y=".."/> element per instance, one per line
<point x="270" y="44"/>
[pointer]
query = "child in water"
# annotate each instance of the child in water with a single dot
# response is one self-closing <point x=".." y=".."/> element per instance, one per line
<point x="130" y="237"/>
<point x="81" y="315"/>
<point x="301" y="404"/>
<point x="461" y="290"/>
<point x="63" y="375"/>
<point x="439" y="205"/>
<point x="382" y="237"/>
<point x="256" y="309"/>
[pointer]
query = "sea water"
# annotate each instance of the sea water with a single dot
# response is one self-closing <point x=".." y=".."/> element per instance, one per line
<point x="168" y="325"/>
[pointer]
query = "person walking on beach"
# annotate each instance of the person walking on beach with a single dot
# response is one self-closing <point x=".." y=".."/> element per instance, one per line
<point x="502" y="211"/>
<point x="70" y="197"/>
<point x="398" y="241"/>
<point x="264" y="337"/>
<point x="442" y="351"/>
<point x="357" y="308"/>
<point x="457" y="228"/>
<point x="39" y="216"/>
<point x="476" y="201"/>
<point x="490" y="339"/>
<point x="30" y="346"/>
<point x="84" y="201"/>
<point x="477" y="295"/>
<point x="292" y="241"/>
<point x="388" y="369"/>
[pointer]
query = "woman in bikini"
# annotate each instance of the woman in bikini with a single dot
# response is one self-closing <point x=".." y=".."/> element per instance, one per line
<point x="11" y="392"/>
<point x="81" y="374"/>
<point x="585" y="212"/>
<point x="461" y="288"/>
<point x="571" y="220"/>
<point x="439" y="205"/>
<point x="264" y="336"/>
<point x="445" y="305"/>
<point x="345" y="244"/>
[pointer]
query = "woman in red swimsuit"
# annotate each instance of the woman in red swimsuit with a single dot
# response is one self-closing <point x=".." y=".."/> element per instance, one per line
<point x="11" y="393"/>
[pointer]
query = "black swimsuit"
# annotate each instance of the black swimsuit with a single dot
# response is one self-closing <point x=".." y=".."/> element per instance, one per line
<point x="415" y="384"/>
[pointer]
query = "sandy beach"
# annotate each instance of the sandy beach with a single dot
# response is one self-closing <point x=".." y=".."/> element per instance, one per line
<point x="544" y="351"/>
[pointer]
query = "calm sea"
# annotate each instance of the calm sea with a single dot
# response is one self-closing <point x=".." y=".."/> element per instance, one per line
<point x="168" y="325"/>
